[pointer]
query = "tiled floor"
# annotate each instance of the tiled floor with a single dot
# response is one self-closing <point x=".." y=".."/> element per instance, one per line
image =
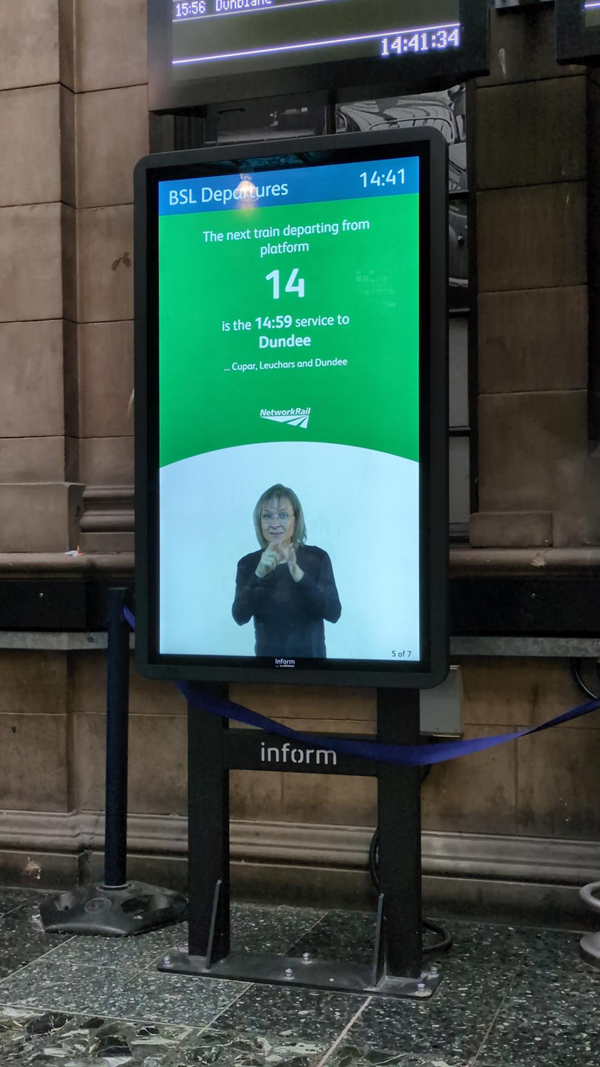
<point x="509" y="998"/>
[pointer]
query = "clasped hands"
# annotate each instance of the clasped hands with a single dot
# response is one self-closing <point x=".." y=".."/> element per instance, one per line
<point x="273" y="555"/>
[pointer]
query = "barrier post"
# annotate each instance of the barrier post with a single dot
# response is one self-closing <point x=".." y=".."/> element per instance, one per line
<point x="117" y="741"/>
<point x="116" y="907"/>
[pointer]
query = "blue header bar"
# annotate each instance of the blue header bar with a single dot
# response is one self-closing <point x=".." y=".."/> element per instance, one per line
<point x="304" y="185"/>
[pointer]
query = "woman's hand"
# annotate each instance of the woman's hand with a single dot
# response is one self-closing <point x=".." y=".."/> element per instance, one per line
<point x="290" y="558"/>
<point x="270" y="559"/>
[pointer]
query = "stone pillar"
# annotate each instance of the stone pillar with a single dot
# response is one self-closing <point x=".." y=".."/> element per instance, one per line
<point x="74" y="121"/>
<point x="538" y="484"/>
<point x="40" y="500"/>
<point x="111" y="121"/>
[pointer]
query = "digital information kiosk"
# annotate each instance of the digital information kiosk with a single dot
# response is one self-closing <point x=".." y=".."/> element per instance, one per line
<point x="209" y="51"/>
<point x="291" y="479"/>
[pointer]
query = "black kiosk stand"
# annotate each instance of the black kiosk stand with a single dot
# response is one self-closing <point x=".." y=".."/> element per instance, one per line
<point x="396" y="968"/>
<point x="179" y="184"/>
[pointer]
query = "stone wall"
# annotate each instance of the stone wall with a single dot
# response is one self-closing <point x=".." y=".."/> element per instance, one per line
<point x="536" y="133"/>
<point x="73" y="108"/>
<point x="52" y="730"/>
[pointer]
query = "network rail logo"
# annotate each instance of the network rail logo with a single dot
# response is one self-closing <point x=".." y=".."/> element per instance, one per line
<point x="293" y="416"/>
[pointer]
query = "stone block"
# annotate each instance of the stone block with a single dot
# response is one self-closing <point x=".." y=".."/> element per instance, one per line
<point x="158" y="764"/>
<point x="31" y="371"/>
<point x="28" y="459"/>
<point x="106" y="379"/>
<point x="106" y="461"/>
<point x="473" y="795"/>
<point x="88" y="689"/>
<point x="532" y="238"/>
<point x="576" y="520"/>
<point x="255" y="795"/>
<point x="531" y="446"/>
<point x="34" y="762"/>
<point x="533" y="339"/>
<point x="105" y="262"/>
<point x="33" y="683"/>
<point x="307" y="702"/>
<point x="41" y="517"/>
<point x="29" y="43"/>
<point x="30" y="125"/>
<point x="110" y="44"/>
<point x="112" y="134"/>
<point x="37" y="249"/>
<point x="507" y="692"/>
<point x="511" y="529"/>
<point x="522" y="47"/>
<point x="557" y="784"/>
<point x="531" y="134"/>
<point x="329" y="798"/>
<point x="88" y="761"/>
<point x="107" y="542"/>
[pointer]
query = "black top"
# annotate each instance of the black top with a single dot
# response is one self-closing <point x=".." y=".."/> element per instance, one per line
<point x="288" y="615"/>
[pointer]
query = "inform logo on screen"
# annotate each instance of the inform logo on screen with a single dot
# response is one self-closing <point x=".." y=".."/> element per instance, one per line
<point x="293" y="417"/>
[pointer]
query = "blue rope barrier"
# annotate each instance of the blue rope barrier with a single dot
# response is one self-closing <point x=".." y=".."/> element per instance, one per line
<point x="403" y="755"/>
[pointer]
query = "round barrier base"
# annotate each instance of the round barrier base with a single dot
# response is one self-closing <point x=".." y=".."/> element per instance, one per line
<point x="589" y="948"/>
<point x="110" y="911"/>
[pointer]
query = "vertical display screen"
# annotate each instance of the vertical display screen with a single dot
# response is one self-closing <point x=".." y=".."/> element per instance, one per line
<point x="291" y="412"/>
<point x="289" y="342"/>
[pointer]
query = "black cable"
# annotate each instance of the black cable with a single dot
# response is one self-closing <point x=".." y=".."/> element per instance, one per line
<point x="445" y="941"/>
<point x="576" y="672"/>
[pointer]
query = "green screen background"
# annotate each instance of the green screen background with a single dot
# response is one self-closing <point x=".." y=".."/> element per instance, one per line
<point x="372" y="276"/>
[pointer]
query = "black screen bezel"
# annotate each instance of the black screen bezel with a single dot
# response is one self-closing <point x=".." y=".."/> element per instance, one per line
<point x="432" y="668"/>
<point x="574" y="40"/>
<point x="412" y="73"/>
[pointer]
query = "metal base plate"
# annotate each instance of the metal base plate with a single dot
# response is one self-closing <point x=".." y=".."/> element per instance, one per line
<point x="589" y="948"/>
<point x="304" y="971"/>
<point x="130" y="909"/>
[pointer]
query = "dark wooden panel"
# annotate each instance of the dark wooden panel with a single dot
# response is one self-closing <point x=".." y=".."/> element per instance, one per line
<point x="479" y="606"/>
<point x="43" y="605"/>
<point x="568" y="607"/>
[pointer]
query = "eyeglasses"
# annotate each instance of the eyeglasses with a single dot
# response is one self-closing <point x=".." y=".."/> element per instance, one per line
<point x="283" y="516"/>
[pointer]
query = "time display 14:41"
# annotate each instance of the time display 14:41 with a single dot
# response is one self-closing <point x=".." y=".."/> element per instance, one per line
<point x="423" y="41"/>
<point x="383" y="177"/>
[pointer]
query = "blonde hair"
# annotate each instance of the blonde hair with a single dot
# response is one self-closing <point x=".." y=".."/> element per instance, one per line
<point x="277" y="492"/>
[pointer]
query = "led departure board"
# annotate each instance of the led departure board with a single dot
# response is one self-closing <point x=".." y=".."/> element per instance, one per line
<point x="578" y="31"/>
<point x="291" y="392"/>
<point x="212" y="51"/>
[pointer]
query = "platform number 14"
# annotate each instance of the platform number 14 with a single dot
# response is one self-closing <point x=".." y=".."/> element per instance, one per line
<point x="293" y="285"/>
